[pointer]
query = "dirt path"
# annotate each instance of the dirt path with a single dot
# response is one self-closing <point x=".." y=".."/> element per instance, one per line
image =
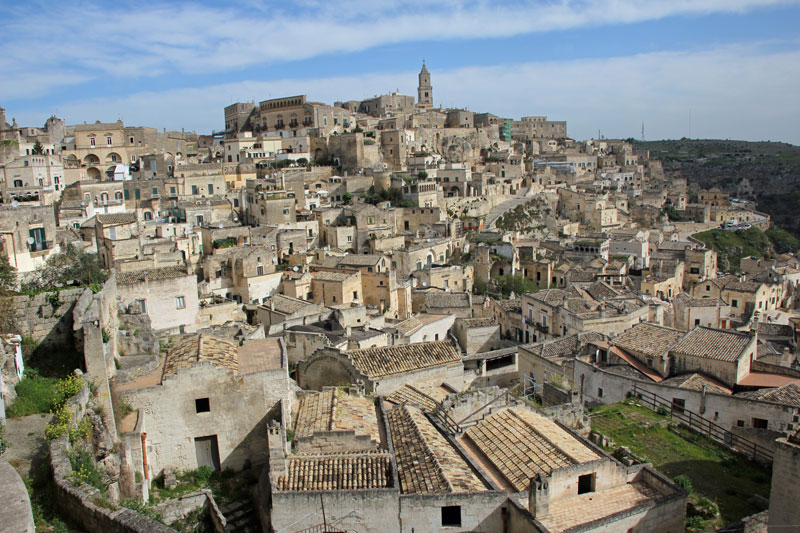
<point x="26" y="435"/>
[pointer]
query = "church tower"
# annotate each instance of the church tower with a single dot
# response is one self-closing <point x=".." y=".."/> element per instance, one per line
<point x="424" y="91"/>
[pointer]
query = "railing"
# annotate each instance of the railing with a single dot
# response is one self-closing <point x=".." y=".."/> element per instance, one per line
<point x="446" y="420"/>
<point x="504" y="396"/>
<point x="704" y="426"/>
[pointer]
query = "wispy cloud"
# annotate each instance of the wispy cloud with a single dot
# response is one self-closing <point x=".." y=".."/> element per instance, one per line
<point x="743" y="92"/>
<point x="134" y="40"/>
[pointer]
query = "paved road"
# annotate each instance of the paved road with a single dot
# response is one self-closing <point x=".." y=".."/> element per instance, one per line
<point x="498" y="210"/>
<point x="26" y="435"/>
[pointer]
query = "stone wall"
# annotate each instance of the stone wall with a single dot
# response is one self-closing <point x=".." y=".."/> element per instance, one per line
<point x="85" y="504"/>
<point x="47" y="316"/>
<point x="552" y="395"/>
<point x="179" y="508"/>
<point x="480" y="511"/>
<point x="785" y="493"/>
<point x="722" y="409"/>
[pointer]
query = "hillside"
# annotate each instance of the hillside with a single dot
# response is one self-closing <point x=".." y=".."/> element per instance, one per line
<point x="732" y="246"/>
<point x="767" y="172"/>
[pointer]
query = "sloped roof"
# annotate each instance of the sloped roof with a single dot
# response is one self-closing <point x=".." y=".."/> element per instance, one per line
<point x="345" y="471"/>
<point x="649" y="339"/>
<point x="115" y="219"/>
<point x="520" y="444"/>
<point x="188" y="351"/>
<point x="447" y="299"/>
<point x="423" y="396"/>
<point x="717" y="344"/>
<point x="151" y="274"/>
<point x="335" y="410"/>
<point x="398" y="359"/>
<point x="697" y="382"/>
<point x="426" y="462"/>
<point x="788" y="394"/>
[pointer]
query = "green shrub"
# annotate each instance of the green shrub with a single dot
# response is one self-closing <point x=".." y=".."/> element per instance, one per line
<point x="142" y="508"/>
<point x="684" y="482"/>
<point x="4" y="444"/>
<point x="694" y="522"/>
<point x="84" y="470"/>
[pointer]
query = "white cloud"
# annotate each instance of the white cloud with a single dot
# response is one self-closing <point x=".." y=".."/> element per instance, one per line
<point x="147" y="40"/>
<point x="737" y="92"/>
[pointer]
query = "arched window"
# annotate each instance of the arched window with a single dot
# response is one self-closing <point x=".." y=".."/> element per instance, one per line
<point x="148" y="215"/>
<point x="17" y="183"/>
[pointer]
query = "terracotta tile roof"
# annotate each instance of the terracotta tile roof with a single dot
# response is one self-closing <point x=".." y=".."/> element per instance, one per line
<point x="564" y="346"/>
<point x="562" y="513"/>
<point x="445" y="299"/>
<point x="520" y="444"/>
<point x="115" y="219"/>
<point x="286" y="304"/>
<point x="151" y="274"/>
<point x="478" y="322"/>
<point x="332" y="276"/>
<point x="777" y="330"/>
<point x="198" y="348"/>
<point x="360" y="260"/>
<point x="649" y="339"/>
<point x="697" y="382"/>
<point x="788" y="394"/>
<point x="335" y="410"/>
<point x="425" y="397"/>
<point x="346" y="471"/>
<point x="718" y="344"/>
<point x="388" y="360"/>
<point x="408" y="325"/>
<point x="426" y="461"/>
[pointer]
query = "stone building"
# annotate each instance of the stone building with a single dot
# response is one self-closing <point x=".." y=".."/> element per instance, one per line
<point x="168" y="295"/>
<point x="206" y="404"/>
<point x="784" y="513"/>
<point x="384" y="370"/>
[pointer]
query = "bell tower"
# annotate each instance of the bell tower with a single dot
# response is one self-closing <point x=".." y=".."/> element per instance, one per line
<point x="424" y="91"/>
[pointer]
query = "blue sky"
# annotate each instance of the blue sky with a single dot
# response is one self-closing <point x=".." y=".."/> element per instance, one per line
<point x="695" y="68"/>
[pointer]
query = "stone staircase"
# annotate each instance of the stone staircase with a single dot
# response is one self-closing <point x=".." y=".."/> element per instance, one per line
<point x="241" y="516"/>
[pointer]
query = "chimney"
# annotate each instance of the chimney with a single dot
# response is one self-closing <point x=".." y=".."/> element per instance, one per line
<point x="348" y="330"/>
<point x="539" y="497"/>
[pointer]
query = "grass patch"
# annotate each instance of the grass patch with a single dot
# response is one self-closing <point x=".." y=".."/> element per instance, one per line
<point x="226" y="486"/>
<point x="714" y="472"/>
<point x="39" y="394"/>
<point x="41" y="490"/>
<point x="140" y="507"/>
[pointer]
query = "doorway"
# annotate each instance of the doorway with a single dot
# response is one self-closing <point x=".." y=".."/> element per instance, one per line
<point x="207" y="450"/>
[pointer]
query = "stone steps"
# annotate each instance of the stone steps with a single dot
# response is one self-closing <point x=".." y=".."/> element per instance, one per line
<point x="241" y="516"/>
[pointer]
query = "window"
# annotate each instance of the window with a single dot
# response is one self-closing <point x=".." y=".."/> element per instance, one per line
<point x="199" y="220"/>
<point x="126" y="194"/>
<point x="37" y="240"/>
<point x="740" y="423"/>
<point x="586" y="483"/>
<point x="696" y="321"/>
<point x="349" y="238"/>
<point x="180" y="303"/>
<point x="355" y="295"/>
<point x="708" y="288"/>
<point x="451" y="516"/>
<point x="210" y="188"/>
<point x="260" y="270"/>
<point x="202" y="405"/>
<point x="760" y="423"/>
<point x="155" y="192"/>
<point x="137" y="194"/>
<point x="678" y="405"/>
<point x="735" y="303"/>
<point x="334" y="299"/>
<point x="108" y="140"/>
<point x="17" y="183"/>
<point x="599" y="392"/>
<point x="194" y="189"/>
<point x="91" y="142"/>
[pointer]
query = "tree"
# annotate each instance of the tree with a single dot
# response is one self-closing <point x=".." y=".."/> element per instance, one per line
<point x="38" y="149"/>
<point x="302" y="161"/>
<point x="422" y="175"/>
<point x="346" y="198"/>
<point x="71" y="266"/>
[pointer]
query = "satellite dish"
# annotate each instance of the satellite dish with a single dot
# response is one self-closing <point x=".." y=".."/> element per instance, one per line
<point x="30" y="240"/>
<point x="221" y="226"/>
<point x="295" y="269"/>
<point x="15" y="204"/>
